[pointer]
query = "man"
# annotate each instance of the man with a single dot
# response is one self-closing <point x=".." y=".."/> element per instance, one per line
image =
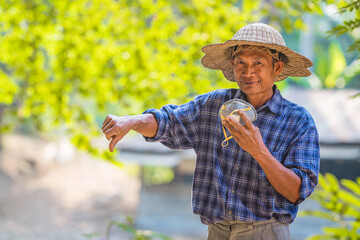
<point x="251" y="188"/>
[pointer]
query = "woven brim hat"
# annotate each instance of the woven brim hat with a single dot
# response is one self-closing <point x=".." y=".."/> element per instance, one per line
<point x="219" y="56"/>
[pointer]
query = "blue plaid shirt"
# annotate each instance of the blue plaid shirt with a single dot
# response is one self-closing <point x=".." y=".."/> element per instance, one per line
<point x="228" y="182"/>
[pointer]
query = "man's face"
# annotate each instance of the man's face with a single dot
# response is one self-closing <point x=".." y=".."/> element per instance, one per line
<point x="255" y="73"/>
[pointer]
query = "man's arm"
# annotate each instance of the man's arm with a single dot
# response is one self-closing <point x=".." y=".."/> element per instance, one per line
<point x="115" y="128"/>
<point x="284" y="180"/>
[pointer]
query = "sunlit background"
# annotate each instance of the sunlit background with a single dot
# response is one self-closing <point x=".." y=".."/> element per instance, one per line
<point x="65" y="65"/>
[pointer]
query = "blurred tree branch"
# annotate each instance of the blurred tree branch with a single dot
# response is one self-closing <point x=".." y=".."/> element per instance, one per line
<point x="349" y="25"/>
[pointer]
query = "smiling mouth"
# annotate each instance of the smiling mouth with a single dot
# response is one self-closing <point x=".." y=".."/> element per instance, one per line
<point x="251" y="83"/>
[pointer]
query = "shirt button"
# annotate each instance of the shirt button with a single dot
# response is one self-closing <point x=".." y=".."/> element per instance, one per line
<point x="237" y="168"/>
<point x="230" y="212"/>
<point x="233" y="191"/>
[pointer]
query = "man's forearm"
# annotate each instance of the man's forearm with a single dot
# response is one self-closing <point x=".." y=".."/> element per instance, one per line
<point x="145" y="124"/>
<point x="284" y="180"/>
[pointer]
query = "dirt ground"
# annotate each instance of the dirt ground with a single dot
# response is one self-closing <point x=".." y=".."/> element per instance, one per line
<point x="50" y="191"/>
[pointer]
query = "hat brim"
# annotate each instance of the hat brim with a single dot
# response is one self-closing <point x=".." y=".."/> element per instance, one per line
<point x="218" y="56"/>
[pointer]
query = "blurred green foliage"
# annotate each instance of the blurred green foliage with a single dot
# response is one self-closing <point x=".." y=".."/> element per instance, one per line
<point x="67" y="64"/>
<point x="154" y="175"/>
<point x="340" y="73"/>
<point x="349" y="25"/>
<point x="331" y="65"/>
<point x="136" y="234"/>
<point x="127" y="225"/>
<point x="340" y="202"/>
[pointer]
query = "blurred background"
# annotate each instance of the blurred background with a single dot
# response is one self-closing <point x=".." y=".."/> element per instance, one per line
<point x="65" y="65"/>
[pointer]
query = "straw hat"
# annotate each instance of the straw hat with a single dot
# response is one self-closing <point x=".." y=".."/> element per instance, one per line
<point x="218" y="56"/>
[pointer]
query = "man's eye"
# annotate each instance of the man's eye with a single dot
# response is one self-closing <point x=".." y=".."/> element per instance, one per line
<point x="258" y="63"/>
<point x="240" y="62"/>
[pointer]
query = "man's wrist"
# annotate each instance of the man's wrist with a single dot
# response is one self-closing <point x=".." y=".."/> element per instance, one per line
<point x="262" y="153"/>
<point x="144" y="124"/>
<point x="136" y="122"/>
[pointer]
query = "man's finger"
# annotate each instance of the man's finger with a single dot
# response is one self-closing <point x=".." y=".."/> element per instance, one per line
<point x="110" y="133"/>
<point x="235" y="124"/>
<point x="227" y="125"/>
<point x="114" y="141"/>
<point x="231" y="128"/>
<point x="108" y="126"/>
<point x="245" y="118"/>
<point x="107" y="119"/>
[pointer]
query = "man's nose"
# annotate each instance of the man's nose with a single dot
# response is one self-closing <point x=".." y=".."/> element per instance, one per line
<point x="248" y="70"/>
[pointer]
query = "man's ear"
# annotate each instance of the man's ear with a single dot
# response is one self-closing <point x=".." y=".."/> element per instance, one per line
<point x="232" y="61"/>
<point x="279" y="66"/>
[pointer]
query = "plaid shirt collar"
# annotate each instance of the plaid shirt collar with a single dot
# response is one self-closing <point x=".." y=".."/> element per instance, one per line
<point x="275" y="104"/>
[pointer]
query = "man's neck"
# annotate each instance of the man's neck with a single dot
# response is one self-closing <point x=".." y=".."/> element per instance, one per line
<point x="258" y="100"/>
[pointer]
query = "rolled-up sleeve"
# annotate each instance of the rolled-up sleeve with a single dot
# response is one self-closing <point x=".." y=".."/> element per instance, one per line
<point x="304" y="159"/>
<point x="177" y="125"/>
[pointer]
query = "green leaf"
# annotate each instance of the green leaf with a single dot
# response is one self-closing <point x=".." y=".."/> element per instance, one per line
<point x="91" y="235"/>
<point x="351" y="185"/>
<point x="332" y="181"/>
<point x="323" y="182"/>
<point x="349" y="198"/>
<point x="318" y="213"/>
<point x="320" y="237"/>
<point x="336" y="231"/>
<point x="126" y="227"/>
<point x="356" y="95"/>
<point x="145" y="234"/>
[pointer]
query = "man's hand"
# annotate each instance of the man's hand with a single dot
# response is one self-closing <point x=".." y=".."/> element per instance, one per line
<point x="248" y="136"/>
<point x="115" y="128"/>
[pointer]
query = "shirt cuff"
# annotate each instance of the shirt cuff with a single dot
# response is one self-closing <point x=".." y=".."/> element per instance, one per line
<point x="161" y="121"/>
<point x="306" y="187"/>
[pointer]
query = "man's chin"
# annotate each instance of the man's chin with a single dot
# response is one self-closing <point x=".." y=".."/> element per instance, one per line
<point x="252" y="89"/>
